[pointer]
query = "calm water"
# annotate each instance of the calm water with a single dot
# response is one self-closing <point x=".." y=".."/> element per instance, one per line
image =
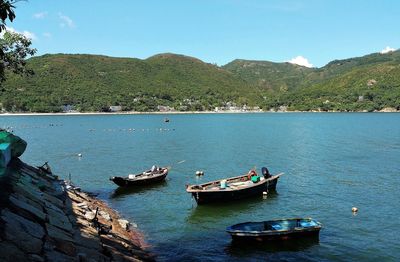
<point x="331" y="162"/>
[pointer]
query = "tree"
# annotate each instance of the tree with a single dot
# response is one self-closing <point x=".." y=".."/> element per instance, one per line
<point x="14" y="47"/>
<point x="6" y="12"/>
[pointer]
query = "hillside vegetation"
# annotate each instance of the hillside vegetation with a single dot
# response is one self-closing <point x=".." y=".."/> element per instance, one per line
<point x="94" y="83"/>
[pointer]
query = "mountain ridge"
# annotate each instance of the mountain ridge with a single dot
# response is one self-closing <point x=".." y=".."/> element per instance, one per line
<point x="96" y="82"/>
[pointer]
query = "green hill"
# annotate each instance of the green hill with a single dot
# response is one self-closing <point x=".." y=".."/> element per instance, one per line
<point x="371" y="82"/>
<point x="94" y="83"/>
<point x="269" y="75"/>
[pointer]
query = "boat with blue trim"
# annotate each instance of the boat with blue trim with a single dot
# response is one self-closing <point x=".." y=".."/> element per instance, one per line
<point x="281" y="229"/>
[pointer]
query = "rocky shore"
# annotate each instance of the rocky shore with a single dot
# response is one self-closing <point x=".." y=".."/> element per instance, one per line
<point x="43" y="218"/>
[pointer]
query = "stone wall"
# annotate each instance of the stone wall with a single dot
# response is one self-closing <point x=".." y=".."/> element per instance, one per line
<point x="44" y="219"/>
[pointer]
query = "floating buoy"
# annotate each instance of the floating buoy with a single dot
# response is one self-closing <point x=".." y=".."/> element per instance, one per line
<point x="199" y="173"/>
<point x="354" y="209"/>
<point x="265" y="195"/>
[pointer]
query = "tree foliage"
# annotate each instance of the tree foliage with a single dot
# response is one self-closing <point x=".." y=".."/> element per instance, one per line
<point x="14" y="47"/>
<point x="6" y="12"/>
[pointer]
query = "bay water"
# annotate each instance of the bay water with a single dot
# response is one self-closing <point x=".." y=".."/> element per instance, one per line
<point x="332" y="162"/>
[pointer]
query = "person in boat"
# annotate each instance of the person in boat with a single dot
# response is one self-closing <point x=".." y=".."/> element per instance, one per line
<point x="251" y="174"/>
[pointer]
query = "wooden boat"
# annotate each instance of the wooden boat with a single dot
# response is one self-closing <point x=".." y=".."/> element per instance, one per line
<point x="146" y="178"/>
<point x="234" y="188"/>
<point x="281" y="229"/>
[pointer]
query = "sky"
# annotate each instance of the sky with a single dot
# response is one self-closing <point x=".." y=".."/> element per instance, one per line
<point x="307" y="32"/>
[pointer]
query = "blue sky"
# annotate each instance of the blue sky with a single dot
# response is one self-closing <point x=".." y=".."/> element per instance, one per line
<point x="215" y="31"/>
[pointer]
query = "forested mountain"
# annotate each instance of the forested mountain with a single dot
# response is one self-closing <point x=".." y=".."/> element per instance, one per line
<point x="94" y="83"/>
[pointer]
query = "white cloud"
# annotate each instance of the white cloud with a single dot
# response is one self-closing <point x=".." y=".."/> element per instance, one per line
<point x="47" y="35"/>
<point x="25" y="33"/>
<point x="40" y="15"/>
<point x="300" y="60"/>
<point x="66" y="21"/>
<point x="388" y="49"/>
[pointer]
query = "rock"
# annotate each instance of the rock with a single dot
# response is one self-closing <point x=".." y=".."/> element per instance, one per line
<point x="119" y="255"/>
<point x="49" y="205"/>
<point x="36" y="258"/>
<point x="82" y="221"/>
<point x="87" y="254"/>
<point x="124" y="223"/>
<point x="58" y="234"/>
<point x="87" y="239"/>
<point x="52" y="255"/>
<point x="89" y="215"/>
<point x="36" y="213"/>
<point x="8" y="251"/>
<point x="143" y="255"/>
<point x="18" y="222"/>
<point x="29" y="192"/>
<point x="53" y="200"/>
<point x="23" y="233"/>
<point x="59" y="219"/>
<point x="65" y="247"/>
<point x="29" y="201"/>
<point x="76" y="197"/>
<point x="105" y="215"/>
<point x="82" y="205"/>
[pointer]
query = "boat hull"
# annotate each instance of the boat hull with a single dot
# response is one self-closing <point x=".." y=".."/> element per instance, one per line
<point x="205" y="197"/>
<point x="283" y="229"/>
<point x="125" y="182"/>
<point x="275" y="237"/>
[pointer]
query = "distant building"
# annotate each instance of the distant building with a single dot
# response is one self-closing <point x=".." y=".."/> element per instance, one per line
<point x="115" y="108"/>
<point x="165" y="108"/>
<point x="68" y="108"/>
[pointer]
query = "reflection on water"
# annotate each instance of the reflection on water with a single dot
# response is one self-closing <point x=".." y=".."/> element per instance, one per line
<point x="243" y="249"/>
<point x="215" y="211"/>
<point x="122" y="191"/>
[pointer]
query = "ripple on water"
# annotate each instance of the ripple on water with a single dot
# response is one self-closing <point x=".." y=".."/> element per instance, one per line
<point x="332" y="162"/>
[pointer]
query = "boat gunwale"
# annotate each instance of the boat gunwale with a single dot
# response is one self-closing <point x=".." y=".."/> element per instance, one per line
<point x="163" y="173"/>
<point x="189" y="188"/>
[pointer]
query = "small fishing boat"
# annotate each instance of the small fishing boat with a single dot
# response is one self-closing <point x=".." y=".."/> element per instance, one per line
<point x="281" y="229"/>
<point x="166" y="120"/>
<point x="234" y="188"/>
<point x="154" y="175"/>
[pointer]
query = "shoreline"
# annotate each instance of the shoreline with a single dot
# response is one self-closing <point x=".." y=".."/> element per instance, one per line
<point x="45" y="218"/>
<point x="183" y="113"/>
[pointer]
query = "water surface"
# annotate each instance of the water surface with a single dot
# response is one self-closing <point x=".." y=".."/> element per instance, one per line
<point x="331" y="162"/>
